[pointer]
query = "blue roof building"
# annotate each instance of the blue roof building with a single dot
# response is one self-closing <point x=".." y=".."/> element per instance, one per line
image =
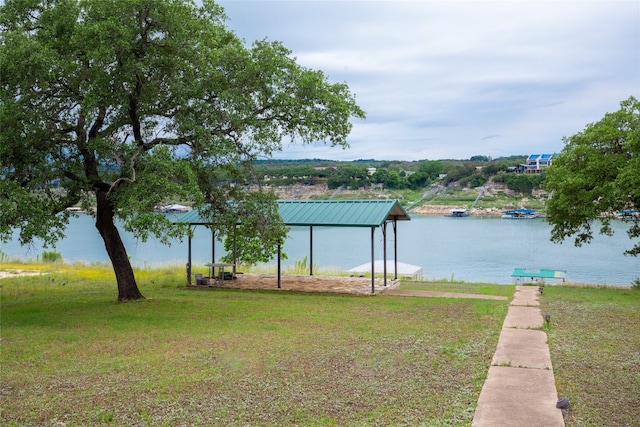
<point x="536" y="163"/>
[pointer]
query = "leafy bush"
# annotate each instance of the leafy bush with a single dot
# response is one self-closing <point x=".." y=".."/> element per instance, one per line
<point x="51" y="256"/>
<point x="523" y="183"/>
<point x="475" y="180"/>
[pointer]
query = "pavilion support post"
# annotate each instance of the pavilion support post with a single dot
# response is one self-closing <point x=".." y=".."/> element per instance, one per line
<point x="213" y="245"/>
<point x="311" y="250"/>
<point x="279" y="268"/>
<point x="395" y="249"/>
<point x="189" y="261"/>
<point x="235" y="248"/>
<point x="384" y="251"/>
<point x="373" y="259"/>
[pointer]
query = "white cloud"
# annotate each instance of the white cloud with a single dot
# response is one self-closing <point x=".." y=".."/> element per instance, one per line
<point x="451" y="79"/>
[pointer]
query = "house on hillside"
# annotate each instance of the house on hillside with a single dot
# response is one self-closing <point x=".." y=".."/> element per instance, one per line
<point x="536" y="163"/>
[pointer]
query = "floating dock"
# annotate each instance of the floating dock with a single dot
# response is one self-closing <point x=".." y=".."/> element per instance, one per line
<point x="538" y="275"/>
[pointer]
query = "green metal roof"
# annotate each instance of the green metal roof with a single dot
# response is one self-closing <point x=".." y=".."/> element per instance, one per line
<point x="333" y="213"/>
<point x="341" y="213"/>
<point x="192" y="217"/>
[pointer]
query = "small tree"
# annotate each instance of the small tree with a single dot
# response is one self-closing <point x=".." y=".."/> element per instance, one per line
<point x="596" y="175"/>
<point x="523" y="183"/>
<point x="254" y="236"/>
<point x="132" y="103"/>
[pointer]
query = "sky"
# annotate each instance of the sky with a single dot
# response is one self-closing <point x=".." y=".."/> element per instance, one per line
<point x="453" y="79"/>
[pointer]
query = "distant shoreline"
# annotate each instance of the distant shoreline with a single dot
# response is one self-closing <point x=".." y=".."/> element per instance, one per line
<point x="443" y="210"/>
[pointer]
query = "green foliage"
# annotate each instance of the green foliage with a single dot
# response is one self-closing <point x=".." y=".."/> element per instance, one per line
<point x="390" y="179"/>
<point x="480" y="158"/>
<point x="431" y="168"/>
<point x="137" y="103"/>
<point x="595" y="176"/>
<point x="523" y="183"/>
<point x="474" y="180"/>
<point x="392" y="174"/>
<point x="282" y="175"/>
<point x="252" y="228"/>
<point x="301" y="266"/>
<point x="352" y="177"/>
<point x="51" y="256"/>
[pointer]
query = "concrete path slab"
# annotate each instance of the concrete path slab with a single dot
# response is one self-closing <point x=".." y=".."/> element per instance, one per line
<point x="522" y="348"/>
<point x="523" y="317"/>
<point x="518" y="397"/>
<point x="527" y="296"/>
<point x="520" y="388"/>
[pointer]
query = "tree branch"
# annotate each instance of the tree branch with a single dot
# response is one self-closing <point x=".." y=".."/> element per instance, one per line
<point x="97" y="124"/>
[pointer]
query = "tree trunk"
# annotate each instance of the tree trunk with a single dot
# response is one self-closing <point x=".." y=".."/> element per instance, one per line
<point x="127" y="287"/>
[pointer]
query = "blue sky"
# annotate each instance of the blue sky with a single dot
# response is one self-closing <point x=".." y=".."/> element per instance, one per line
<point x="453" y="79"/>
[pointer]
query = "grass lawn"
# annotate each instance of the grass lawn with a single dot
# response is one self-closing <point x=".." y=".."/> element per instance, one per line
<point x="594" y="340"/>
<point x="71" y="355"/>
<point x="460" y="287"/>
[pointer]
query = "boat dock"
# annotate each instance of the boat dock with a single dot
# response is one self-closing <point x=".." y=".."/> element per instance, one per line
<point x="538" y="275"/>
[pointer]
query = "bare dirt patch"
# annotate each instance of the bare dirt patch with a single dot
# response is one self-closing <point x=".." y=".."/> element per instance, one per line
<point x="15" y="273"/>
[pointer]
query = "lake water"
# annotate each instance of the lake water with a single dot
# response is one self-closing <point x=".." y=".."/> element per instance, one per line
<point x="472" y="249"/>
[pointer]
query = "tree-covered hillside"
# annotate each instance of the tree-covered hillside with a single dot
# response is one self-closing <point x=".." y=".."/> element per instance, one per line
<point x="397" y="175"/>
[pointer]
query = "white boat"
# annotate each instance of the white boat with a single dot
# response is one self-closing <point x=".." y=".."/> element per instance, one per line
<point x="173" y="209"/>
<point x="628" y="214"/>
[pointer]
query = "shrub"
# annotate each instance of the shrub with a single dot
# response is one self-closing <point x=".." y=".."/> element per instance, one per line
<point x="51" y="256"/>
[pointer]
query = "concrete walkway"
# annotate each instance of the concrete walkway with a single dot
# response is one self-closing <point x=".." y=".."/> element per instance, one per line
<point x="520" y="388"/>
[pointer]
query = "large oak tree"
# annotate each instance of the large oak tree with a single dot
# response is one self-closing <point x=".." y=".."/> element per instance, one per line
<point x="127" y="104"/>
<point x="596" y="176"/>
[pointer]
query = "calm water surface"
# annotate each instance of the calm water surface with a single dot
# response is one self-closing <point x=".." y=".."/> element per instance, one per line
<point x="471" y="249"/>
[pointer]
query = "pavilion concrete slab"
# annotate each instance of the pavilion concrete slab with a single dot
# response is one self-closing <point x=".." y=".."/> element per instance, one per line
<point x="522" y="348"/>
<point x="518" y="397"/>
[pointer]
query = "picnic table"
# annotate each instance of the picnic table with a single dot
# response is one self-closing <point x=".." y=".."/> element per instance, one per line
<point x="220" y="266"/>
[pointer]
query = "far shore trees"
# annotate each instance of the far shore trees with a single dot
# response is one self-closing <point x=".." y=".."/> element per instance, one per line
<point x="141" y="102"/>
<point x="596" y="176"/>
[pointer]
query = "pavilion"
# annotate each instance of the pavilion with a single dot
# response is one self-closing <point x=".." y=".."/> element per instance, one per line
<point x="328" y="213"/>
